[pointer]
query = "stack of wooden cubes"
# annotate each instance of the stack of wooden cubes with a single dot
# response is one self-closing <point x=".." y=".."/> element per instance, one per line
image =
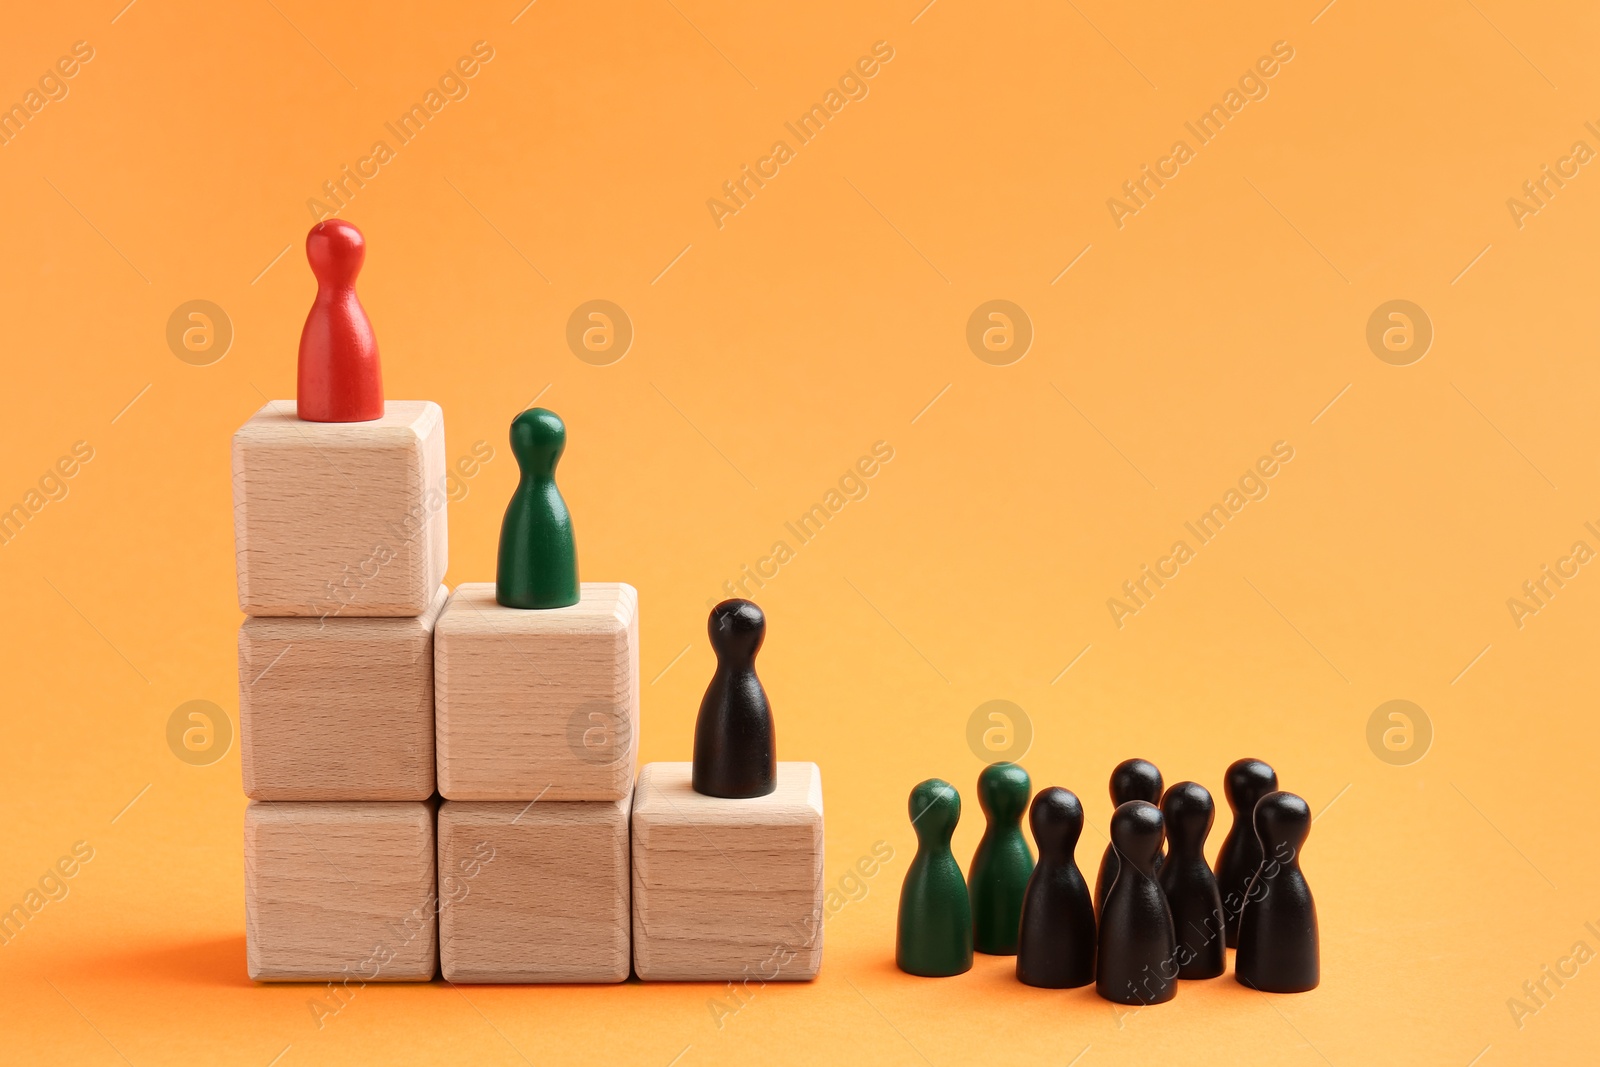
<point x="440" y="783"/>
<point x="538" y="731"/>
<point x="340" y="534"/>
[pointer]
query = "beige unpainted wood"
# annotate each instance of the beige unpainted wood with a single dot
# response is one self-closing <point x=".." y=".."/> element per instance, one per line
<point x="727" y="890"/>
<point x="340" y="890"/>
<point x="340" y="519"/>
<point x="534" y="892"/>
<point x="338" y="709"/>
<point x="537" y="703"/>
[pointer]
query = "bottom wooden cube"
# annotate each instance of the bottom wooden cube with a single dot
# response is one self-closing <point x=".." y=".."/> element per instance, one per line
<point x="340" y="890"/>
<point x="534" y="892"/>
<point x="727" y="890"/>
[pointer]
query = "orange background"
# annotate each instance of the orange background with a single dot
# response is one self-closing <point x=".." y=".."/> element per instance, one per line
<point x="770" y="354"/>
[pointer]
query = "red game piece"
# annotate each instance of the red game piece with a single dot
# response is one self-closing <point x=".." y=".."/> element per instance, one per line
<point x="340" y="379"/>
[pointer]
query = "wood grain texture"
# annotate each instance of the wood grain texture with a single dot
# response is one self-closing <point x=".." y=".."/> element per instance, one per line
<point x="537" y="703"/>
<point x="340" y="890"/>
<point x="534" y="892"/>
<point x="725" y="890"/>
<point x="340" y="519"/>
<point x="338" y="709"/>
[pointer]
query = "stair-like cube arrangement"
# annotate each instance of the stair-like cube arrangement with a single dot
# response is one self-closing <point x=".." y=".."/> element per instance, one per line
<point x="446" y="780"/>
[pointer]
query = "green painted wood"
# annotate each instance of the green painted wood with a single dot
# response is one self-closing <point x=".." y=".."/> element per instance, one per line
<point x="934" y="936"/>
<point x="538" y="565"/>
<point x="1003" y="863"/>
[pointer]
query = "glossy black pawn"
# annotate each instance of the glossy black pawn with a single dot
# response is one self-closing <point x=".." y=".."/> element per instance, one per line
<point x="1278" y="946"/>
<point x="1133" y="779"/>
<point x="1138" y="950"/>
<point x="1191" y="888"/>
<point x="1246" y="782"/>
<point x="1057" y="945"/>
<point x="735" y="747"/>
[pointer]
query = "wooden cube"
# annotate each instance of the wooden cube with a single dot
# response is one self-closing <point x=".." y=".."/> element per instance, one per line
<point x="534" y="892"/>
<point x="537" y="704"/>
<point x="338" y="709"/>
<point x="340" y="890"/>
<point x="725" y="890"/>
<point x="337" y="519"/>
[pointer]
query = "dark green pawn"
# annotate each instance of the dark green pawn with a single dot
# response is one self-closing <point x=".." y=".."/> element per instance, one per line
<point x="538" y="559"/>
<point x="934" y="938"/>
<point x="998" y="877"/>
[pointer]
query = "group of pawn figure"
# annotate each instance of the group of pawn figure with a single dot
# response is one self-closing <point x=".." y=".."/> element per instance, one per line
<point x="1155" y="918"/>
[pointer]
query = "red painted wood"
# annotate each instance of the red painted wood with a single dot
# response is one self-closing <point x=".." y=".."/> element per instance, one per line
<point x="340" y="378"/>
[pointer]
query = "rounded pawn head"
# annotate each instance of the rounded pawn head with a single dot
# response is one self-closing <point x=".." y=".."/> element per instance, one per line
<point x="1056" y="818"/>
<point x="1247" y="781"/>
<point x="1136" y="830"/>
<point x="335" y="249"/>
<point x="1188" y="810"/>
<point x="1003" y="791"/>
<point x="737" y="628"/>
<point x="538" y="437"/>
<point x="935" y="809"/>
<point x="1135" y="779"/>
<point x="1282" y="819"/>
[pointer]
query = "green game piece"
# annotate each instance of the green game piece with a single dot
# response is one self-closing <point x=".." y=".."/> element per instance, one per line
<point x="538" y="559"/>
<point x="998" y="877"/>
<point x="934" y="938"/>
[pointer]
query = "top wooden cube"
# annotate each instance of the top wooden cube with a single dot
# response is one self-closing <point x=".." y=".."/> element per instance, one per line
<point x="340" y="518"/>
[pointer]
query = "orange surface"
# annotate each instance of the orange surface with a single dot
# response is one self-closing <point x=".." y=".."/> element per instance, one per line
<point x="773" y="346"/>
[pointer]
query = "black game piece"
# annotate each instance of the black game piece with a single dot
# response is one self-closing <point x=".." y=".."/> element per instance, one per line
<point x="1278" y="949"/>
<point x="1191" y="888"/>
<point x="1247" y="781"/>
<point x="735" y="751"/>
<point x="1133" y="779"/>
<point x="1058" y="936"/>
<point x="1138" y="950"/>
